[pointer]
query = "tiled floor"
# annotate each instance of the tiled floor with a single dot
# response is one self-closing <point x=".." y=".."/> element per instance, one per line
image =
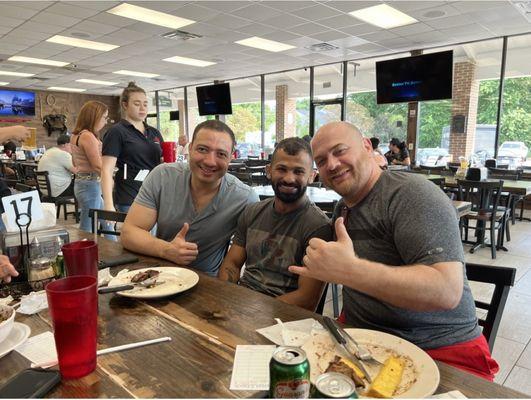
<point x="512" y="349"/>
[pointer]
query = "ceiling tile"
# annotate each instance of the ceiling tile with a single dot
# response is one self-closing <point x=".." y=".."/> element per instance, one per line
<point x="339" y="21"/>
<point x="281" y="36"/>
<point x="348" y="6"/>
<point x="368" y="48"/>
<point x="205" y="29"/>
<point x="195" y="12"/>
<point x="433" y="13"/>
<point x="348" y="42"/>
<point x="477" y="5"/>
<point x="149" y="28"/>
<point x="308" y="29"/>
<point x="360" y="29"/>
<point x="412" y="29"/>
<point x="316" y="12"/>
<point x="228" y="22"/>
<point x="94" y="28"/>
<point x="257" y="12"/>
<point x="284" y="21"/>
<point x="10" y="10"/>
<point x="414" y="5"/>
<point x="72" y="10"/>
<point x="50" y="30"/>
<point x="112" y="20"/>
<point x="328" y="36"/>
<point x="224" y="6"/>
<point x="256" y="29"/>
<point x="58" y="20"/>
<point x="288" y="6"/>
<point x="380" y="35"/>
<point x="10" y="22"/>
<point x="34" y="5"/>
<point x="94" y="5"/>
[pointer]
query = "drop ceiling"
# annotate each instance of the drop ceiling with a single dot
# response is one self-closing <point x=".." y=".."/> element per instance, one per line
<point x="25" y="26"/>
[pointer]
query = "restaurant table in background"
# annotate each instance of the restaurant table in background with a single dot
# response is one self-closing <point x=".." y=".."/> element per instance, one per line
<point x="521" y="187"/>
<point x="206" y="324"/>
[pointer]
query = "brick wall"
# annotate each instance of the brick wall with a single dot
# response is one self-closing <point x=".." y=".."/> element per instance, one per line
<point x="464" y="102"/>
<point x="69" y="104"/>
<point x="285" y="114"/>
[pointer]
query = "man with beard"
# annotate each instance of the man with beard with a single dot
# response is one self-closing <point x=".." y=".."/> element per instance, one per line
<point x="273" y="233"/>
<point x="195" y="205"/>
<point x="398" y="254"/>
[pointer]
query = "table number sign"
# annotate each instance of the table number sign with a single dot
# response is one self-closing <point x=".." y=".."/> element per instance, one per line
<point x="23" y="205"/>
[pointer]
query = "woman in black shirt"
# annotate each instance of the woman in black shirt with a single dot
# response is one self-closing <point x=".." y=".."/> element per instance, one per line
<point x="132" y="146"/>
<point x="398" y="153"/>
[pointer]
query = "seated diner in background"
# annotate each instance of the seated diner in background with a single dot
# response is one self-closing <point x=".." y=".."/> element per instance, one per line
<point x="274" y="233"/>
<point x="398" y="254"/>
<point x="379" y="157"/>
<point x="398" y="153"/>
<point x="195" y="206"/>
<point x="58" y="162"/>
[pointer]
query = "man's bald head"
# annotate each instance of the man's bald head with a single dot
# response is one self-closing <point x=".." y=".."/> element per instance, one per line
<point x="339" y="126"/>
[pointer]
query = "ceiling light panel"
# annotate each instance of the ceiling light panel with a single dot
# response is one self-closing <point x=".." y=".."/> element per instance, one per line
<point x="66" y="89"/>
<point x="86" y="44"/>
<point x="265" y="44"/>
<point x="40" y="61"/>
<point x="383" y="16"/>
<point x="189" y="61"/>
<point x="4" y="83"/>
<point x="150" y="16"/>
<point x="96" y="82"/>
<point x="11" y="73"/>
<point x="135" y="73"/>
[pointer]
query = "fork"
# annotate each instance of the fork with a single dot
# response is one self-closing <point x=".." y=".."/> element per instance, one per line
<point x="363" y="352"/>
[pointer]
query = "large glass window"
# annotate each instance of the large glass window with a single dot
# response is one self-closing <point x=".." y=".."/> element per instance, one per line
<point x="245" y="120"/>
<point x="384" y="121"/>
<point x="515" y="130"/>
<point x="171" y="106"/>
<point x="287" y="106"/>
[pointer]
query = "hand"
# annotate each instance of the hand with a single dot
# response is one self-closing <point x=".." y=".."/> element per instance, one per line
<point x="6" y="269"/>
<point x="109" y="207"/>
<point x="328" y="261"/>
<point x="19" y="132"/>
<point x="180" y="251"/>
<point x="394" y="162"/>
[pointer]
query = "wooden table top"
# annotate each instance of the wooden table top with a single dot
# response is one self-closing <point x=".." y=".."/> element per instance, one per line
<point x="206" y="323"/>
<point x="515" y="187"/>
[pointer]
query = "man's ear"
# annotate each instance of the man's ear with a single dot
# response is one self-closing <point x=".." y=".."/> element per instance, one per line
<point x="268" y="171"/>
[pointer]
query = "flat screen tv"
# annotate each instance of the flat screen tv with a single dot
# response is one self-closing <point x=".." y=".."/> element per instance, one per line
<point x="214" y="99"/>
<point x="17" y="103"/>
<point x="425" y="77"/>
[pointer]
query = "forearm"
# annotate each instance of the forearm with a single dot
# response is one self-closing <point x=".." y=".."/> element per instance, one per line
<point x="415" y="287"/>
<point x="302" y="299"/>
<point x="229" y="271"/>
<point x="106" y="189"/>
<point x="141" y="241"/>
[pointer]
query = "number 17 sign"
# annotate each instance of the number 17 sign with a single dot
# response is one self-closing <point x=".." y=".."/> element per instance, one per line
<point x="21" y="206"/>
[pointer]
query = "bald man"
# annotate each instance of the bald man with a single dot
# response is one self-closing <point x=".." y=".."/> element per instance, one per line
<point x="397" y="253"/>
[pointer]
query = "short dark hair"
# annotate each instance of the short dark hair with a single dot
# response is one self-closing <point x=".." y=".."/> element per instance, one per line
<point x="63" y="139"/>
<point x="215" y="125"/>
<point x="10" y="146"/>
<point x="292" y="146"/>
<point x="375" y="142"/>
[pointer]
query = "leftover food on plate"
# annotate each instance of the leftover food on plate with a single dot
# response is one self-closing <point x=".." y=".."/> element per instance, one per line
<point x="145" y="275"/>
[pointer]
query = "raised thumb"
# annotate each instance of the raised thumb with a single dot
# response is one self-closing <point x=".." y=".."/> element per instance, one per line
<point x="341" y="232"/>
<point x="184" y="230"/>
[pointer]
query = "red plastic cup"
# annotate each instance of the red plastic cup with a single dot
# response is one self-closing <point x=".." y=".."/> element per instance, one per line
<point x="81" y="258"/>
<point x="169" y="151"/>
<point x="73" y="307"/>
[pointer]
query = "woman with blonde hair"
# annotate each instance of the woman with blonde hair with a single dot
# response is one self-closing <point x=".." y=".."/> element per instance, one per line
<point x="86" y="156"/>
<point x="131" y="145"/>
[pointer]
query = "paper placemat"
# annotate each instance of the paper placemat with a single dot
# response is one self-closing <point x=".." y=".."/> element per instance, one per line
<point x="39" y="348"/>
<point x="251" y="367"/>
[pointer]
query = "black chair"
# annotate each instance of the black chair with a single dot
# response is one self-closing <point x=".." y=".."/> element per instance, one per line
<point x="433" y="169"/>
<point x="486" y="213"/>
<point x="111" y="216"/>
<point x="327" y="207"/>
<point x="23" y="188"/>
<point x="243" y="176"/>
<point x="508" y="199"/>
<point x="502" y="278"/>
<point x="43" y="186"/>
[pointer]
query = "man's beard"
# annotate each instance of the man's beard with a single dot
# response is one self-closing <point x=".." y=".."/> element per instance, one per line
<point x="289" y="197"/>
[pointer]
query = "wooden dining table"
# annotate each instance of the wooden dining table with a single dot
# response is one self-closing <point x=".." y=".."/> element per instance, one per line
<point x="206" y="323"/>
<point x="520" y="187"/>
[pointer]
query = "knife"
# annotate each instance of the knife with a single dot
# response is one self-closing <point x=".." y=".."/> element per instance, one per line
<point x="331" y="326"/>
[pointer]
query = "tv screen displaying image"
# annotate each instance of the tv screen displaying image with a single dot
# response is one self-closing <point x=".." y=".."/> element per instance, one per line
<point x="17" y="103"/>
<point x="417" y="78"/>
<point x="214" y="99"/>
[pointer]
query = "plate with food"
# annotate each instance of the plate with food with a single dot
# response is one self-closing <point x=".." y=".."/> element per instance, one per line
<point x="150" y="283"/>
<point x="404" y="370"/>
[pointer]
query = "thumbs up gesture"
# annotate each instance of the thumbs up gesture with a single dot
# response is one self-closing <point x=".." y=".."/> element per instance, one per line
<point x="180" y="251"/>
<point x="328" y="261"/>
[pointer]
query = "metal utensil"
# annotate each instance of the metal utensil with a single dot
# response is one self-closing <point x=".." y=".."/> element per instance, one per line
<point x="146" y="283"/>
<point x="361" y="351"/>
<point x="332" y="328"/>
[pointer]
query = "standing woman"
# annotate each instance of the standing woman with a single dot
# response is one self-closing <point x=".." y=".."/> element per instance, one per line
<point x="132" y="146"/>
<point x="86" y="156"/>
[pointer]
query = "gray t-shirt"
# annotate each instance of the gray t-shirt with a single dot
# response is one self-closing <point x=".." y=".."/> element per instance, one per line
<point x="58" y="163"/>
<point x="405" y="220"/>
<point x="275" y="241"/>
<point x="167" y="190"/>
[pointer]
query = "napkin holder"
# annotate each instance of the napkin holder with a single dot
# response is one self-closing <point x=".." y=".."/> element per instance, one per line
<point x="15" y="250"/>
<point x="477" y="174"/>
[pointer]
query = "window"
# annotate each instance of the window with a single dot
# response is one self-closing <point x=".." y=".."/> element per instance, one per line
<point x="171" y="104"/>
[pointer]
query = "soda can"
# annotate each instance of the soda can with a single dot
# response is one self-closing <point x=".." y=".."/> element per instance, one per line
<point x="333" y="385"/>
<point x="289" y="374"/>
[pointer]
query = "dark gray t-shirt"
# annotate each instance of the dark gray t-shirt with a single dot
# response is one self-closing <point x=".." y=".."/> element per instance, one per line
<point x="275" y="241"/>
<point x="405" y="220"/>
<point x="167" y="190"/>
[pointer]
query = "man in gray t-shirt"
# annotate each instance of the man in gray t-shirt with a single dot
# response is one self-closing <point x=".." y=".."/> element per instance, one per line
<point x="398" y="252"/>
<point x="273" y="234"/>
<point x="196" y="206"/>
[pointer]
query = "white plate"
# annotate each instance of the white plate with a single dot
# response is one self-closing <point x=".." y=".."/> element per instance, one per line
<point x="321" y="349"/>
<point x="16" y="337"/>
<point x="176" y="280"/>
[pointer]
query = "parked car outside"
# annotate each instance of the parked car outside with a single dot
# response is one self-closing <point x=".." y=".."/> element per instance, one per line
<point x="432" y="156"/>
<point x="245" y="150"/>
<point x="513" y="151"/>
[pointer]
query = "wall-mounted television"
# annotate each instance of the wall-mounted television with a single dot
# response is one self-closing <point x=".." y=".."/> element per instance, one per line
<point x="174" y="115"/>
<point x="417" y="78"/>
<point x="17" y="103"/>
<point x="214" y="99"/>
